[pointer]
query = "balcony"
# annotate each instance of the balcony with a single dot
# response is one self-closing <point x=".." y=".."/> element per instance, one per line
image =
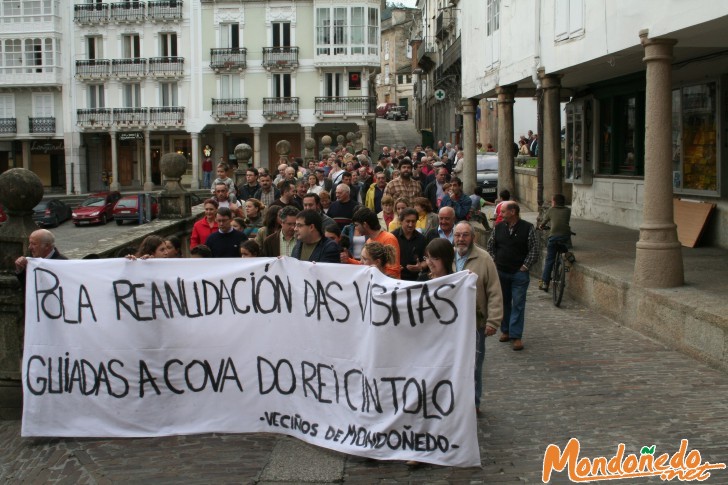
<point x="167" y="116"/>
<point x="444" y="25"/>
<point x="135" y="68"/>
<point x="230" y="109"/>
<point x="91" y="14"/>
<point x="337" y="106"/>
<point x="228" y="58"/>
<point x="172" y="67"/>
<point x="451" y="56"/>
<point x="127" y="12"/>
<point x="279" y="108"/>
<point x="93" y="117"/>
<point x="8" y="126"/>
<point x="130" y="117"/>
<point x="42" y="125"/>
<point x="280" y="57"/>
<point x="91" y="69"/>
<point x="427" y="53"/>
<point x="164" y="10"/>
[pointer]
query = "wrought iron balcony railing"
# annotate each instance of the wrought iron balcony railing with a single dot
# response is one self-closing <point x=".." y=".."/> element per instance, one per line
<point x="129" y="11"/>
<point x="280" y="108"/>
<point x="280" y="57"/>
<point x="93" y="68"/>
<point x="230" y="108"/>
<point x="8" y="125"/>
<point x="167" y="116"/>
<point x="91" y="13"/>
<point x="93" y="117"/>
<point x="344" y="105"/>
<point x="228" y="58"/>
<point x="130" y="116"/>
<point x="129" y="68"/>
<point x="167" y="66"/>
<point x="42" y="125"/>
<point x="164" y="10"/>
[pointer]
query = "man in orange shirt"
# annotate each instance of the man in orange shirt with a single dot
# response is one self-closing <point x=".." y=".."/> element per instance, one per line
<point x="367" y="223"/>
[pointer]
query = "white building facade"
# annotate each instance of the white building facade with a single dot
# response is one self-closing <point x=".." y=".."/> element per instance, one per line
<point x="597" y="55"/>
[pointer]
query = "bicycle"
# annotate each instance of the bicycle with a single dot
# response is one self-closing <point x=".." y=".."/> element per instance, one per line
<point x="562" y="265"/>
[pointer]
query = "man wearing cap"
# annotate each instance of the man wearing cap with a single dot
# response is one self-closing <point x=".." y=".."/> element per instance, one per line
<point x="322" y="181"/>
<point x="434" y="190"/>
<point x="405" y="185"/>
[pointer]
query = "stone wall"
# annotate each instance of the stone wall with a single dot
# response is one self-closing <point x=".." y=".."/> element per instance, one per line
<point x="527" y="189"/>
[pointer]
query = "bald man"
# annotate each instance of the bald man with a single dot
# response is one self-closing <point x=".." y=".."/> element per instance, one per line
<point x="41" y="244"/>
<point x="446" y="218"/>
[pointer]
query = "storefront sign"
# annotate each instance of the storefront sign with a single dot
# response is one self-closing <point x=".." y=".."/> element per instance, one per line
<point x="46" y="146"/>
<point x="134" y="135"/>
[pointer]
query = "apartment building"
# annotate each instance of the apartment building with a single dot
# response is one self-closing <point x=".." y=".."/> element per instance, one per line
<point x="32" y="76"/>
<point x="138" y="79"/>
<point x="394" y="81"/>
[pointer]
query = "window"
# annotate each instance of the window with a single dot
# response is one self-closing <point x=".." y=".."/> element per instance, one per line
<point x="386" y="74"/>
<point x="130" y="46"/>
<point x="355" y="80"/>
<point x="168" y="94"/>
<point x="96" y="96"/>
<point x="229" y="86"/>
<point x="33" y="55"/>
<point x="11" y="7"/>
<point x="622" y="134"/>
<point x="357" y="30"/>
<point x="132" y="95"/>
<point x="340" y="39"/>
<point x="7" y="106"/>
<point x="94" y="47"/>
<point x="281" y="34"/>
<point x="569" y="19"/>
<point x="230" y="35"/>
<point x="43" y="105"/>
<point x="373" y="33"/>
<point x="12" y="55"/>
<point x="168" y="45"/>
<point x="386" y="50"/>
<point x="281" y="85"/>
<point x="578" y="141"/>
<point x="694" y="139"/>
<point x="492" y="38"/>
<point x="323" y="31"/>
<point x="333" y="84"/>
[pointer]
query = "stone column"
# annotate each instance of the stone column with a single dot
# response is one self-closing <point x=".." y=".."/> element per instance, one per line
<point x="195" y="183"/>
<point x="658" y="263"/>
<point x="148" y="184"/>
<point x="115" y="185"/>
<point x="506" y="172"/>
<point x="25" y="147"/>
<point x="364" y="130"/>
<point x="256" y="147"/>
<point x="550" y="145"/>
<point x="307" y="132"/>
<point x="469" y="152"/>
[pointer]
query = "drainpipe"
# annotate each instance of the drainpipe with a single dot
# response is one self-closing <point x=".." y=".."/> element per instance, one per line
<point x="535" y="77"/>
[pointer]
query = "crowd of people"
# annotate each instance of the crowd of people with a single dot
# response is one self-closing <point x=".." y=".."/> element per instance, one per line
<point x="402" y="212"/>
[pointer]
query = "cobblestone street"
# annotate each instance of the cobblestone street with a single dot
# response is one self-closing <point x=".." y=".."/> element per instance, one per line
<point x="580" y="376"/>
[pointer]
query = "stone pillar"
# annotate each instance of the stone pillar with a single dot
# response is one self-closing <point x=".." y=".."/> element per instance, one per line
<point x="256" y="147"/>
<point x="469" y="151"/>
<point x="550" y="143"/>
<point x="658" y="262"/>
<point x="115" y="185"/>
<point x="195" y="183"/>
<point x="26" y="154"/>
<point x="174" y="201"/>
<point x="148" y="184"/>
<point x="506" y="172"/>
<point x="364" y="130"/>
<point x="307" y="132"/>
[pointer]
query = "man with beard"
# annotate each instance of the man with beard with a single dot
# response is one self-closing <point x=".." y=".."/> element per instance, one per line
<point x="404" y="186"/>
<point x="488" y="296"/>
<point x="267" y="194"/>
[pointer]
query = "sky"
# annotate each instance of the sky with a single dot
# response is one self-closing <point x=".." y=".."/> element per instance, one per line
<point x="407" y="3"/>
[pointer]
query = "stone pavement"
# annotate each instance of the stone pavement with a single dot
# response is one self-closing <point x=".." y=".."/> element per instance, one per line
<point x="580" y="375"/>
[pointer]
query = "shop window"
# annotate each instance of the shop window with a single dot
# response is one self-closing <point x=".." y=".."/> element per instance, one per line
<point x="694" y="139"/>
<point x="578" y="138"/>
<point x="622" y="135"/>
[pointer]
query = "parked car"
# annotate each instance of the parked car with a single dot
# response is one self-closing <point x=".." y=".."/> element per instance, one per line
<point x="51" y="212"/>
<point x="487" y="175"/>
<point x="127" y="209"/>
<point x="3" y="216"/>
<point x="98" y="207"/>
<point x="397" y="113"/>
<point x="383" y="108"/>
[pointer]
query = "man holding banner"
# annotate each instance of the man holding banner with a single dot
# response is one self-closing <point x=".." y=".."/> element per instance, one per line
<point x="488" y="296"/>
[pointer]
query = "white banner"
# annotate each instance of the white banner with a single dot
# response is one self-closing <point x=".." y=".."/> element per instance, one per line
<point x="339" y="356"/>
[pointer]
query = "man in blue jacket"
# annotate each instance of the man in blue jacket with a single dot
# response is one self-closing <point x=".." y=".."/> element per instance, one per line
<point x="460" y="202"/>
<point x="312" y="245"/>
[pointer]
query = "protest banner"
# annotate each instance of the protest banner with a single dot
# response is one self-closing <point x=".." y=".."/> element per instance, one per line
<point x="342" y="357"/>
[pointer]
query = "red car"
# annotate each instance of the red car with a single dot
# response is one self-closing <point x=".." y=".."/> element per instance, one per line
<point x="127" y="209"/>
<point x="98" y="207"/>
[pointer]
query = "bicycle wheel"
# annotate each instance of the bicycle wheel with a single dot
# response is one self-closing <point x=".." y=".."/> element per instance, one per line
<point x="558" y="279"/>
